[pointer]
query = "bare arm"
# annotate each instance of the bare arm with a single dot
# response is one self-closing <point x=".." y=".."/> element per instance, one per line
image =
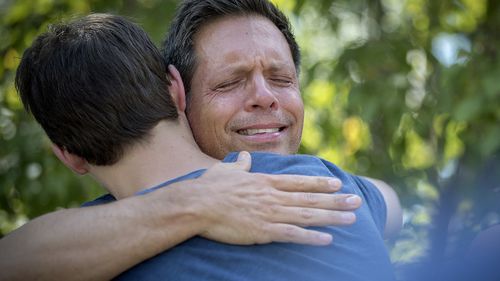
<point x="394" y="219"/>
<point x="94" y="243"/>
<point x="226" y="204"/>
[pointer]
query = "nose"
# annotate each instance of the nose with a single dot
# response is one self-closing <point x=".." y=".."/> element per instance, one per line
<point x="260" y="95"/>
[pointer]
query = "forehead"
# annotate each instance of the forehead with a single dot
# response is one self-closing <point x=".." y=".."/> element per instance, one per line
<point x="235" y="40"/>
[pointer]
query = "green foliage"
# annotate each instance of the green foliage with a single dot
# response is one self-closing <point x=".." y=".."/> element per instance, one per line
<point x="32" y="181"/>
<point x="382" y="99"/>
<point x="432" y="116"/>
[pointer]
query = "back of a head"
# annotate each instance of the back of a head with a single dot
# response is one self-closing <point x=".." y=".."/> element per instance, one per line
<point x="96" y="85"/>
<point x="192" y="15"/>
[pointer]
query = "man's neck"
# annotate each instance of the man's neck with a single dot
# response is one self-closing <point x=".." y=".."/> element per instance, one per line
<point x="169" y="152"/>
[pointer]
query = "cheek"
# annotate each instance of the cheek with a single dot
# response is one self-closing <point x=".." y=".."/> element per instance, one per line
<point x="294" y="105"/>
<point x="196" y="120"/>
<point x="224" y="107"/>
<point x="299" y="107"/>
<point x="209" y="118"/>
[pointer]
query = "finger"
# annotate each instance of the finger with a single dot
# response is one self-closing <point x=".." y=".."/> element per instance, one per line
<point x="339" y="202"/>
<point x="304" y="183"/>
<point x="243" y="162"/>
<point x="310" y="216"/>
<point x="294" y="234"/>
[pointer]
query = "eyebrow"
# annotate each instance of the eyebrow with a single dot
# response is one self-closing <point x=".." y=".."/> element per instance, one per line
<point x="280" y="66"/>
<point x="241" y="67"/>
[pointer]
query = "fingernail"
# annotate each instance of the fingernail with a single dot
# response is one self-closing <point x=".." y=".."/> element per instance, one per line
<point x="243" y="155"/>
<point x="324" y="238"/>
<point x="347" y="217"/>
<point x="334" y="183"/>
<point x="352" y="200"/>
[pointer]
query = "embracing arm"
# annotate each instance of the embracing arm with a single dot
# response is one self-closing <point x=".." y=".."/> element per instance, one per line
<point x="93" y="243"/>
<point x="226" y="204"/>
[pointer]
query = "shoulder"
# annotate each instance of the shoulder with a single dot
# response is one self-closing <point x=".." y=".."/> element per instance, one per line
<point x="104" y="199"/>
<point x="270" y="163"/>
<point x="394" y="217"/>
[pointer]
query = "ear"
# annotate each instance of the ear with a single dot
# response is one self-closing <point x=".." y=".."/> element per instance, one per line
<point x="72" y="161"/>
<point x="176" y="88"/>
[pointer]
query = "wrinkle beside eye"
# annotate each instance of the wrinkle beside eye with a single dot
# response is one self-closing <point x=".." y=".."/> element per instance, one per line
<point x="282" y="81"/>
<point x="227" y="86"/>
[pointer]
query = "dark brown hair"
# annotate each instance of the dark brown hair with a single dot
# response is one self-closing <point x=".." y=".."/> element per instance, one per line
<point x="96" y="85"/>
<point x="191" y="15"/>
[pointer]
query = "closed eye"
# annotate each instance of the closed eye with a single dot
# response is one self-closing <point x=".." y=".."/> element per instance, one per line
<point x="226" y="86"/>
<point x="282" y="81"/>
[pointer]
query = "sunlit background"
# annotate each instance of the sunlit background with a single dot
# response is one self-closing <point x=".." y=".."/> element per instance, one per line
<point x="407" y="91"/>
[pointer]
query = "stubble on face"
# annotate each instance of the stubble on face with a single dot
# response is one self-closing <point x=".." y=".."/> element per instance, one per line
<point x="244" y="92"/>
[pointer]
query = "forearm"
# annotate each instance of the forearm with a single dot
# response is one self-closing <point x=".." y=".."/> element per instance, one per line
<point x="94" y="243"/>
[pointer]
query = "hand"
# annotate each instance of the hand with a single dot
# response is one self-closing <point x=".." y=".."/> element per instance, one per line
<point x="238" y="207"/>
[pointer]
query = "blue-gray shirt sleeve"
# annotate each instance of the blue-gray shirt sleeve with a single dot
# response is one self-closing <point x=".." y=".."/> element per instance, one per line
<point x="375" y="201"/>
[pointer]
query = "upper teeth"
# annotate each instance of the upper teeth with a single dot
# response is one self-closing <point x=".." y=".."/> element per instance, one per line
<point x="250" y="132"/>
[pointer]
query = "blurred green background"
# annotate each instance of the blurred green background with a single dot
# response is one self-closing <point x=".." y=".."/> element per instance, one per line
<point x="406" y="91"/>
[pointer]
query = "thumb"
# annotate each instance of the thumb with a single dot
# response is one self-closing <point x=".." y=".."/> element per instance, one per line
<point x="244" y="161"/>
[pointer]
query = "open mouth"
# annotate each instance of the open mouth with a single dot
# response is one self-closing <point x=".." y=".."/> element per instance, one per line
<point x="253" y="132"/>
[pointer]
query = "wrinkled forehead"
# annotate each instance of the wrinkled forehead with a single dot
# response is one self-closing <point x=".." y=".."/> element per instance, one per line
<point x="237" y="41"/>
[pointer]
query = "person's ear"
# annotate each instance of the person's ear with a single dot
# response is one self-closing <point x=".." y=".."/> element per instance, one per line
<point x="176" y="88"/>
<point x="72" y="161"/>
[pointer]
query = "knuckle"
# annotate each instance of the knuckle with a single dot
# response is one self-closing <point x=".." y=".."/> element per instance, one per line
<point x="264" y="236"/>
<point x="310" y="198"/>
<point x="289" y="232"/>
<point x="272" y="210"/>
<point x="301" y="181"/>
<point x="306" y="213"/>
<point x="269" y="195"/>
<point x="320" y="181"/>
<point x="268" y="179"/>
